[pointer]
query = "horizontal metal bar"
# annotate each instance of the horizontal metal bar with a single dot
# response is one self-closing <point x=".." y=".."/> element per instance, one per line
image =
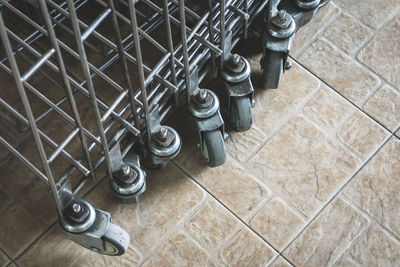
<point x="37" y="65"/>
<point x="61" y="147"/>
<point x="114" y="105"/>
<point x="95" y="23"/>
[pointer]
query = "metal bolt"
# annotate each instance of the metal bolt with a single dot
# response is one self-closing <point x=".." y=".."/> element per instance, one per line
<point x="236" y="59"/>
<point x="282" y="14"/>
<point x="202" y="94"/>
<point x="288" y="65"/>
<point x="126" y="170"/>
<point x="76" y="207"/>
<point x="163" y="133"/>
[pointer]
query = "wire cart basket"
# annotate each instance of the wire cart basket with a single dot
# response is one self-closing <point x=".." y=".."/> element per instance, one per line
<point x="108" y="72"/>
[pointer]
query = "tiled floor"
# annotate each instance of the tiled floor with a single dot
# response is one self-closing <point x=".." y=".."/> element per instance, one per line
<point x="315" y="182"/>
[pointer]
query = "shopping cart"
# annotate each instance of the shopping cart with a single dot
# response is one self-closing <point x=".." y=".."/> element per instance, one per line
<point x="111" y="71"/>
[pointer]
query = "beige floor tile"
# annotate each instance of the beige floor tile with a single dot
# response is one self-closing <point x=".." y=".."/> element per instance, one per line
<point x="348" y="262"/>
<point x="18" y="229"/>
<point x="298" y="163"/>
<point x="328" y="109"/>
<point x="277" y="223"/>
<point x="247" y="249"/>
<point x="362" y="134"/>
<point x="328" y="236"/>
<point x="5" y="200"/>
<point x="374" y="13"/>
<point x="180" y="250"/>
<point x="347" y="33"/>
<point x="230" y="183"/>
<point x="398" y="134"/>
<point x="169" y="198"/>
<point x="306" y="34"/>
<point x="377" y="248"/>
<point x="339" y="71"/>
<point x="274" y="107"/>
<point x="280" y="262"/>
<point x="4" y="260"/>
<point x="382" y="53"/>
<point x="211" y="225"/>
<point x="385" y="107"/>
<point x="376" y="187"/>
<point x="242" y="146"/>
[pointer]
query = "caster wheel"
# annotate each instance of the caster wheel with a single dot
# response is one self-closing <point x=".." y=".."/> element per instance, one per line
<point x="273" y="68"/>
<point x="213" y="148"/>
<point x="240" y="115"/>
<point x="115" y="240"/>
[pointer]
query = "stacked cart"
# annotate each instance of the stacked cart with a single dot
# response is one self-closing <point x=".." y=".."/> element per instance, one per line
<point x="110" y="71"/>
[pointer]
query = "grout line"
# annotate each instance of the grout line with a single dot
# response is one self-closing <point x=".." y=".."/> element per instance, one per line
<point x="342" y="95"/>
<point x="337" y="193"/>
<point x="229" y="210"/>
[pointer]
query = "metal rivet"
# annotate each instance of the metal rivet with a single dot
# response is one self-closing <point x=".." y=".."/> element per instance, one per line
<point x="163" y="132"/>
<point x="236" y="59"/>
<point x="203" y="94"/>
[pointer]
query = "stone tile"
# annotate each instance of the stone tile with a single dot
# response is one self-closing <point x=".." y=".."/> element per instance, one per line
<point x="243" y="145"/>
<point x="377" y="248"/>
<point x="274" y="107"/>
<point x="54" y="248"/>
<point x="5" y="200"/>
<point x="247" y="249"/>
<point x="362" y="134"/>
<point x="18" y="229"/>
<point x="381" y="54"/>
<point x="304" y="165"/>
<point x="307" y="33"/>
<point x="211" y="225"/>
<point x="347" y="33"/>
<point x="384" y="106"/>
<point x="348" y="262"/>
<point x="376" y="187"/>
<point x="328" y="236"/>
<point x="277" y="223"/>
<point x="280" y="262"/>
<point x="4" y="260"/>
<point x="328" y="109"/>
<point x="169" y="198"/>
<point x="398" y="134"/>
<point x="230" y="183"/>
<point x="180" y="250"/>
<point x="339" y="71"/>
<point x="374" y="13"/>
<point x="87" y="258"/>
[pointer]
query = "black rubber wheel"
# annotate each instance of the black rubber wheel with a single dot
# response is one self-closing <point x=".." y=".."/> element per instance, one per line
<point x="213" y="148"/>
<point x="272" y="69"/>
<point x="240" y="115"/>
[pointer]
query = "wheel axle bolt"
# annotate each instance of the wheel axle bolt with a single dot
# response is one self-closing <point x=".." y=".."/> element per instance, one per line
<point x="288" y="65"/>
<point x="236" y="59"/>
<point x="76" y="207"/>
<point x="282" y="14"/>
<point x="126" y="170"/>
<point x="163" y="133"/>
<point x="202" y="94"/>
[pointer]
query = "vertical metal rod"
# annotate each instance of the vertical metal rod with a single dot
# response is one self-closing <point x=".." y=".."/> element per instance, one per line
<point x="222" y="33"/>
<point x="67" y="87"/>
<point x="89" y="82"/>
<point x="124" y="64"/>
<point x="211" y="33"/>
<point x="185" y="48"/>
<point x="29" y="113"/>
<point x="132" y="11"/>
<point x="170" y="47"/>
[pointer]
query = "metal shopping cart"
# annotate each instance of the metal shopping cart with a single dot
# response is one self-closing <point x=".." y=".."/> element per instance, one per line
<point x="111" y="70"/>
